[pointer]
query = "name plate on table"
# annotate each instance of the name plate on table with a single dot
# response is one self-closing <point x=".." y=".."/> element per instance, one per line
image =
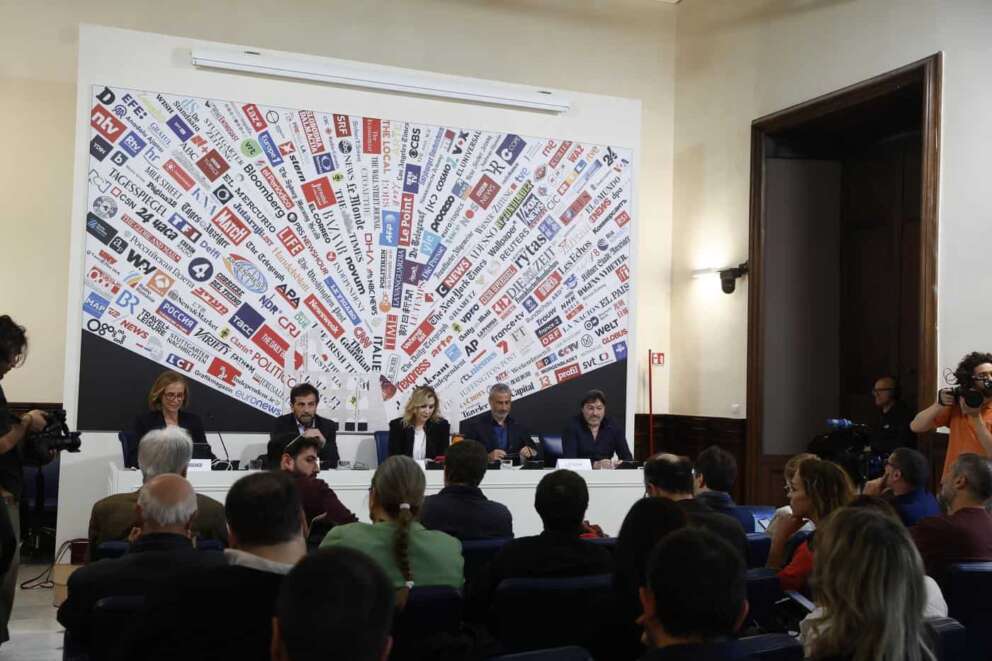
<point x="575" y="464"/>
<point x="198" y="465"/>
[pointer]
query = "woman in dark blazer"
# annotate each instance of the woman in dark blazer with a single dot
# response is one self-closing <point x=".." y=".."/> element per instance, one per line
<point x="592" y="435"/>
<point x="166" y="400"/>
<point x="421" y="432"/>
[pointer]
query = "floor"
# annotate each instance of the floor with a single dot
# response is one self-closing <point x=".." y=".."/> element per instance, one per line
<point x="35" y="635"/>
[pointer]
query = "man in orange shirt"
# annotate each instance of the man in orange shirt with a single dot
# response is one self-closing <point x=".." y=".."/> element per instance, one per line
<point x="971" y="427"/>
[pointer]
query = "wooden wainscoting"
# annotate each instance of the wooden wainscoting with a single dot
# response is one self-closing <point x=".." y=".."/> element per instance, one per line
<point x="688" y="435"/>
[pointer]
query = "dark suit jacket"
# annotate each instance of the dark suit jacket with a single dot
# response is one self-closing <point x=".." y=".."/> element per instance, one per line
<point x="287" y="424"/>
<point x="153" y="560"/>
<point x="577" y="441"/>
<point x="401" y="437"/>
<point x="220" y="614"/>
<point x="191" y="422"/>
<point x="465" y="512"/>
<point x="112" y="518"/>
<point x="480" y="428"/>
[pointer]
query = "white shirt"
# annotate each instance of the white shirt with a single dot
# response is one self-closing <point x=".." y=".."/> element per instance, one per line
<point x="419" y="444"/>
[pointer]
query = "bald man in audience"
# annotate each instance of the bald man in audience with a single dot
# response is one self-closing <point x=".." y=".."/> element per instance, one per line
<point x="964" y="534"/>
<point x="670" y="476"/>
<point x="161" y="550"/>
<point x="892" y="430"/>
<point x="161" y="451"/>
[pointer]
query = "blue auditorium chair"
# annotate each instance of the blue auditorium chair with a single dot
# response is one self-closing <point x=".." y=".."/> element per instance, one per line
<point x="478" y="553"/>
<point x="430" y="611"/>
<point x="769" y="647"/>
<point x="552" y="449"/>
<point x="381" y="446"/>
<point x="967" y="591"/>
<point x="109" y="550"/>
<point x="608" y="543"/>
<point x="570" y="653"/>
<point x="758" y="546"/>
<point x="567" y="611"/>
<point x="951" y="639"/>
<point x="763" y="590"/>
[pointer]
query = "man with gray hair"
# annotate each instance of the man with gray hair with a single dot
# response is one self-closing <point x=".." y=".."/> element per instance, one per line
<point x="161" y="451"/>
<point x="502" y="435"/>
<point x="964" y="534"/>
<point x="160" y="551"/>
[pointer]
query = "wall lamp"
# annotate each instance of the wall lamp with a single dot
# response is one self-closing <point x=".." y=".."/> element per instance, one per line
<point x="728" y="276"/>
<point x="382" y="78"/>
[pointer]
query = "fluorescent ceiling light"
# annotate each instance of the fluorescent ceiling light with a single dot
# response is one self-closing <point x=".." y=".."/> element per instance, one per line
<point x="392" y="79"/>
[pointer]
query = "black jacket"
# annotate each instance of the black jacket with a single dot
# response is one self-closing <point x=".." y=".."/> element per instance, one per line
<point x="328" y="428"/>
<point x="153" y="560"/>
<point x="191" y="422"/>
<point x="722" y="525"/>
<point x="480" y="428"/>
<point x="465" y="512"/>
<point x="401" y="437"/>
<point x="577" y="441"/>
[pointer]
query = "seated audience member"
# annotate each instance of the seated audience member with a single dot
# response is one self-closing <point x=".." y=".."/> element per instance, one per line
<point x="408" y="553"/>
<point x="297" y="456"/>
<point x="461" y="509"/>
<point x="647" y="522"/>
<point x="694" y="599"/>
<point x="501" y="434"/>
<point x="226" y="612"/>
<point x="592" y="435"/>
<point x="167" y="402"/>
<point x="784" y="512"/>
<point x="964" y="534"/>
<point x="349" y="617"/>
<point x="669" y="476"/>
<point x="936" y="606"/>
<point x="561" y="500"/>
<point x="716" y="472"/>
<point x="165" y="510"/>
<point x="904" y="483"/>
<point x="161" y="451"/>
<point x="894" y="416"/>
<point x="304" y="421"/>
<point x="818" y="488"/>
<point x="866" y="558"/>
<point x="421" y="432"/>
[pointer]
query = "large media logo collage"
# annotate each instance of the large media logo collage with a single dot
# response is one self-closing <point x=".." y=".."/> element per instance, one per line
<point x="250" y="247"/>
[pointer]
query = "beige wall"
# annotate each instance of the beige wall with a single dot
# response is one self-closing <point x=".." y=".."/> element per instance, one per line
<point x="615" y="48"/>
<point x="740" y="59"/>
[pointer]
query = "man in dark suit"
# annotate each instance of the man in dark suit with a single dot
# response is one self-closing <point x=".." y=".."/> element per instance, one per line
<point x="226" y="612"/>
<point x="303" y="399"/>
<point x="497" y="431"/>
<point x="165" y="510"/>
<point x="461" y="509"/>
<point x="669" y="476"/>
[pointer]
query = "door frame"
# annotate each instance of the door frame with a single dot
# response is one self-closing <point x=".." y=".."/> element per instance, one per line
<point x="929" y="72"/>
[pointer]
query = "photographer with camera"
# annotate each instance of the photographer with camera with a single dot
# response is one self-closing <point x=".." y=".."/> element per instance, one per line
<point x="966" y="409"/>
<point x="13" y="429"/>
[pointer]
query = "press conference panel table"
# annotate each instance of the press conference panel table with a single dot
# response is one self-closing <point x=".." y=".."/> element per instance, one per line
<point x="611" y="492"/>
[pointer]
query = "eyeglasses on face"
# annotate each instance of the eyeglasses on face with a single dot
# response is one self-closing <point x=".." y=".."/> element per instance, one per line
<point x="173" y="395"/>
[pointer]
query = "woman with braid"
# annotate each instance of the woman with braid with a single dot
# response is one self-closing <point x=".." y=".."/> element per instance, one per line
<point x="408" y="553"/>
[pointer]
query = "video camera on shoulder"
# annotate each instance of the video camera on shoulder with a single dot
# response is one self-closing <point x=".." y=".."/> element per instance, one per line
<point x="54" y="437"/>
<point x="972" y="394"/>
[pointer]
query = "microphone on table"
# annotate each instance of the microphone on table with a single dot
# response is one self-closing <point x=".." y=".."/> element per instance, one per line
<point x="230" y="466"/>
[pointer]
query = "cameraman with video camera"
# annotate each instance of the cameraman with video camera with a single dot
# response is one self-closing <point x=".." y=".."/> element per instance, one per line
<point x="13" y="429"/>
<point x="966" y="409"/>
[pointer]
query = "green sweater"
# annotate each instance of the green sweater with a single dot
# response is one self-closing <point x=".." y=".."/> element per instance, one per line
<point x="435" y="557"/>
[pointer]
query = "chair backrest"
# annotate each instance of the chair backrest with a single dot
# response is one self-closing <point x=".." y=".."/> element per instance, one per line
<point x="769" y="647"/>
<point x="111" y="618"/>
<point x="608" y="543"/>
<point x="758" y="546"/>
<point x="381" y="445"/>
<point x="478" y="553"/>
<point x="559" y="604"/>
<point x="109" y="550"/>
<point x="950" y="639"/>
<point x="763" y="590"/>
<point x="129" y="448"/>
<point x="429" y="611"/>
<point x="569" y="653"/>
<point x="967" y="590"/>
<point x="209" y="545"/>
<point x="552" y="448"/>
